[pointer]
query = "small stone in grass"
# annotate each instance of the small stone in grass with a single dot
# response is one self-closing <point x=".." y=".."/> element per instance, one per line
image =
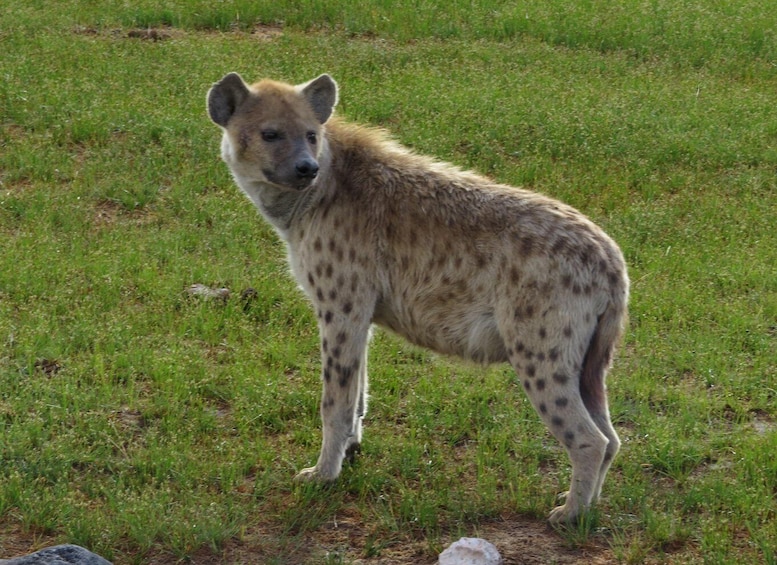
<point x="471" y="551"/>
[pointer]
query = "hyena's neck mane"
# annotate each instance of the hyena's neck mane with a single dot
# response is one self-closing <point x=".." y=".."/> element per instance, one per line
<point x="355" y="147"/>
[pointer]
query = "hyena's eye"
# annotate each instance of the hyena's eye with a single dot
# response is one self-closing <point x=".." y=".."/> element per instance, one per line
<point x="312" y="137"/>
<point x="270" y="135"/>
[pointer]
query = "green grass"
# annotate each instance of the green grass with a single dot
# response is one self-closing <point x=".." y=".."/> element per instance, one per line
<point x="149" y="425"/>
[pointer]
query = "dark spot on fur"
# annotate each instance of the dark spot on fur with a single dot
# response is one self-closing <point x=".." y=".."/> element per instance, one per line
<point x="540" y="384"/>
<point x="311" y="280"/>
<point x="529" y="311"/>
<point x="354" y="282"/>
<point x="543" y="333"/>
<point x="587" y="254"/>
<point x="531" y="370"/>
<point x="481" y="261"/>
<point x="332" y="245"/>
<point x="325" y="345"/>
<point x="561" y="378"/>
<point x="457" y="263"/>
<point x="329" y="270"/>
<point x="562" y="402"/>
<point x="328" y="401"/>
<point x="332" y="294"/>
<point x="529" y="355"/>
<point x="320" y="295"/>
<point x="317" y="244"/>
<point x="319" y="270"/>
<point x="515" y="275"/>
<point x="553" y="354"/>
<point x="576" y="289"/>
<point x="613" y="278"/>
<point x="568" y="331"/>
<point x="341" y="338"/>
<point x="559" y="246"/>
<point x="557" y="421"/>
<point x="347" y="308"/>
<point x="519" y="346"/>
<point x="352" y="255"/>
<point x="569" y="438"/>
<point x="328" y="317"/>
<point x="584" y="446"/>
<point x="327" y="374"/>
<point x="540" y="356"/>
<point x="330" y="362"/>
<point x="566" y="280"/>
<point x="526" y="246"/>
<point x="345" y="376"/>
<point x="527" y="385"/>
<point x="543" y="408"/>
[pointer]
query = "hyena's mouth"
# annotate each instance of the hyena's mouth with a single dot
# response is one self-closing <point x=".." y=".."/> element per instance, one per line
<point x="296" y="183"/>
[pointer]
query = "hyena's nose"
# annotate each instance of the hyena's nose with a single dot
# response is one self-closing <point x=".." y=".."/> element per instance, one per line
<point x="307" y="169"/>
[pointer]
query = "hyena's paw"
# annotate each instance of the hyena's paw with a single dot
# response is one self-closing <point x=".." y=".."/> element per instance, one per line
<point x="314" y="475"/>
<point x="562" y="515"/>
<point x="566" y="513"/>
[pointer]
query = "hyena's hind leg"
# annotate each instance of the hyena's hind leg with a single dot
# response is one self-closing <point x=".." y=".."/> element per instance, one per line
<point x="548" y="362"/>
<point x="593" y="389"/>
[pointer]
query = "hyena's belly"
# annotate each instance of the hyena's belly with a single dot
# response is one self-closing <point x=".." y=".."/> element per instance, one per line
<point x="463" y="329"/>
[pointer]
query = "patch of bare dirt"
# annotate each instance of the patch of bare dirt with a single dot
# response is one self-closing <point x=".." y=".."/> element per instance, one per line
<point x="152" y="34"/>
<point x="15" y="542"/>
<point x="763" y="423"/>
<point x="149" y="34"/>
<point x="520" y="542"/>
<point x="265" y="32"/>
<point x="109" y="212"/>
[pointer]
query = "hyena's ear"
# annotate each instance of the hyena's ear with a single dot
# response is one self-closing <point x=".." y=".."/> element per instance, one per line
<point x="321" y="94"/>
<point x="225" y="97"/>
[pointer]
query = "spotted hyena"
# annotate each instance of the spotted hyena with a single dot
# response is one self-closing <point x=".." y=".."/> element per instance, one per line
<point x="452" y="261"/>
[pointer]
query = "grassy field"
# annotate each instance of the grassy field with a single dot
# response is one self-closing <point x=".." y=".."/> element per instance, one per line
<point x="152" y="426"/>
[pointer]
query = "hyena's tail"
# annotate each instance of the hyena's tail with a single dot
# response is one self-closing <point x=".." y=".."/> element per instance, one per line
<point x="598" y="358"/>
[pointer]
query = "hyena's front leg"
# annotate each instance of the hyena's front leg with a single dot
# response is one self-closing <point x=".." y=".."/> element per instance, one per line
<point x="354" y="442"/>
<point x="344" y="374"/>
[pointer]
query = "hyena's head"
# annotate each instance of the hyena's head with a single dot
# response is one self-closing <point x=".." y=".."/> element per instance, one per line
<point x="273" y="131"/>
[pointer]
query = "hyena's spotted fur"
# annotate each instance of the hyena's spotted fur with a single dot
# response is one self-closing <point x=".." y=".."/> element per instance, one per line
<point x="450" y="260"/>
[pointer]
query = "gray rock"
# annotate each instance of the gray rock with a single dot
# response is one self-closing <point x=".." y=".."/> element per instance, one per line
<point x="58" y="555"/>
<point x="471" y="551"/>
